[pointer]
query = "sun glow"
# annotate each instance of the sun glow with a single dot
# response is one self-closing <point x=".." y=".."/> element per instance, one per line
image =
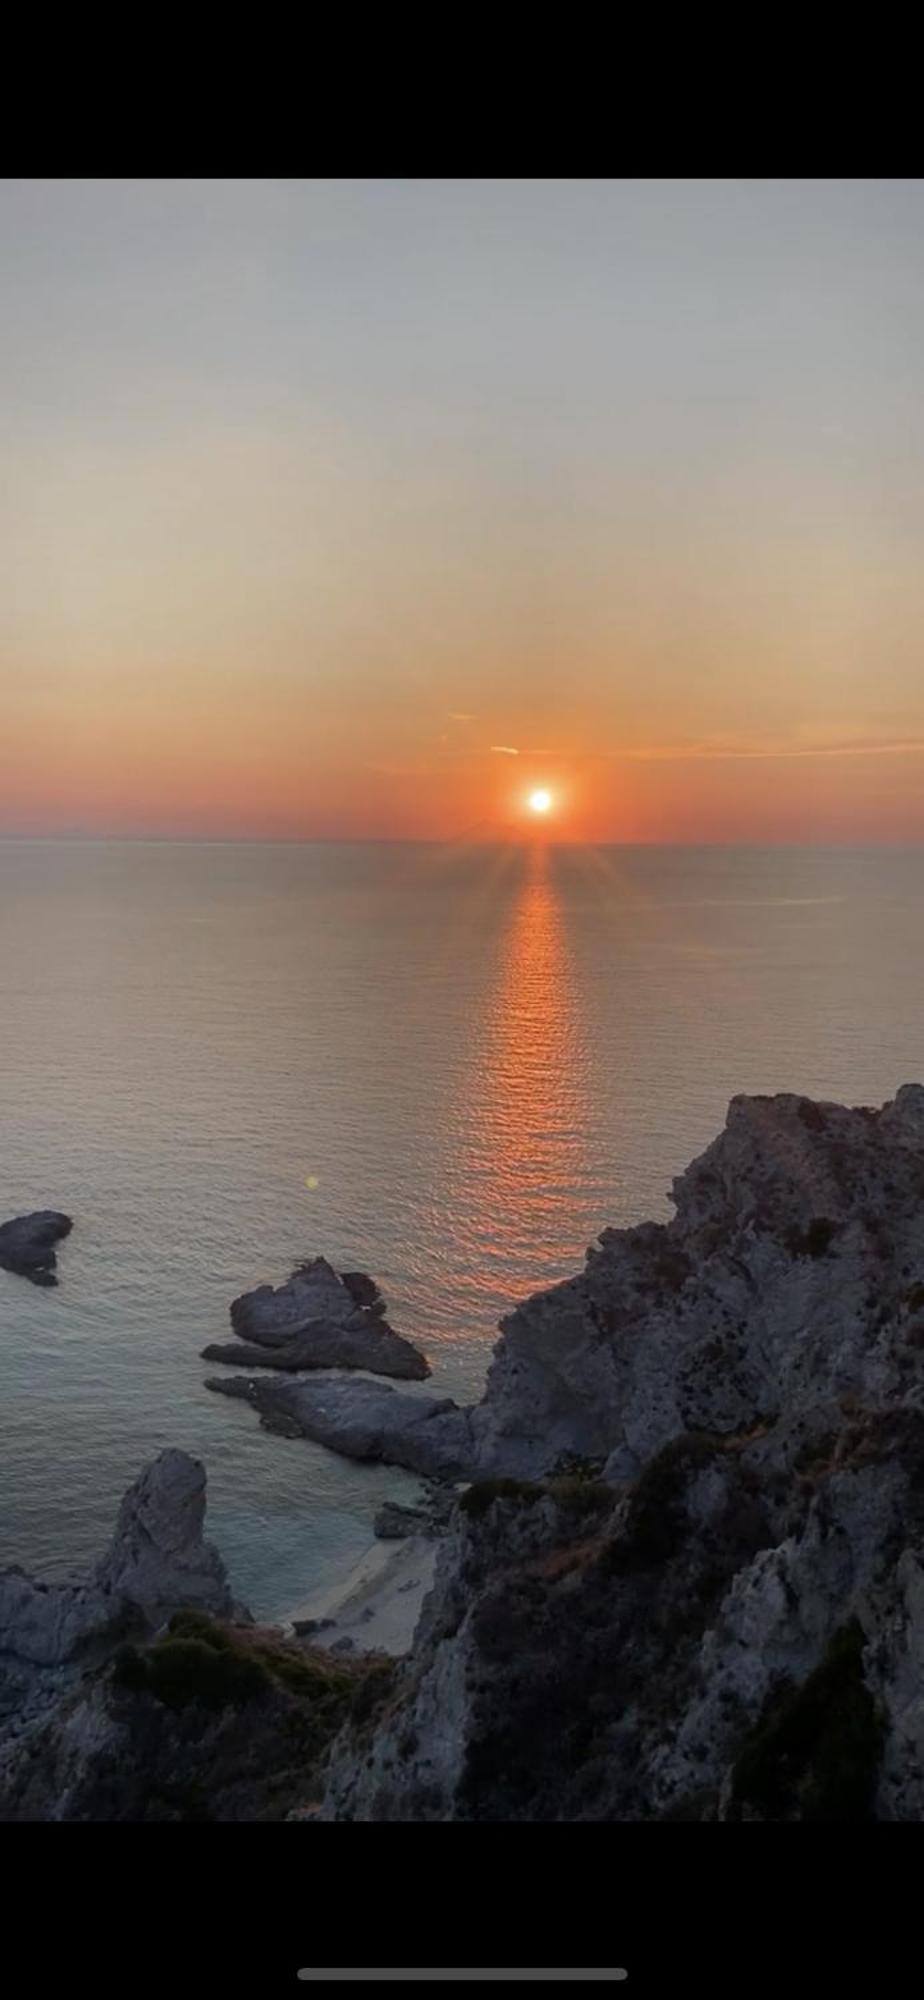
<point x="540" y="801"/>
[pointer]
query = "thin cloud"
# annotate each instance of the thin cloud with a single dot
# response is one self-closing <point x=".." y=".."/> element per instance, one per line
<point x="684" y="752"/>
<point x="503" y="750"/>
<point x="457" y="716"/>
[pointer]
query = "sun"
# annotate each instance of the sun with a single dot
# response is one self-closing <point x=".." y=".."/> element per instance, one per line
<point x="540" y="801"/>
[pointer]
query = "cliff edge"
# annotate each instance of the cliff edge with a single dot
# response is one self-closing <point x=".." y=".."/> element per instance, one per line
<point x="687" y="1581"/>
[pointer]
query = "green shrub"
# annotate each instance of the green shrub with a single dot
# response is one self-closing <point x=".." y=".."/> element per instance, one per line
<point x="303" y="1674"/>
<point x="371" y="1689"/>
<point x="200" y="1660"/>
<point x="582" y="1496"/>
<point x="192" y="1624"/>
<point x="815" y="1753"/>
<point x="179" y="1670"/>
<point x="656" y="1518"/>
<point x="185" y="1670"/>
<point x="478" y="1498"/>
<point x="576" y="1465"/>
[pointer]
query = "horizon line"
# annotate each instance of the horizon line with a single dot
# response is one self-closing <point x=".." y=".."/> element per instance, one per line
<point x="13" y="839"/>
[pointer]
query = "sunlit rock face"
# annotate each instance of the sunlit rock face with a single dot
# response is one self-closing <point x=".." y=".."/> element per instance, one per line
<point x="719" y="1614"/>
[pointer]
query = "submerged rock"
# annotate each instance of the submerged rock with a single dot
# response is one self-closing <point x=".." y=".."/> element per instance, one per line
<point x="27" y="1244"/>
<point x="319" y="1320"/>
<point x="361" y="1419"/>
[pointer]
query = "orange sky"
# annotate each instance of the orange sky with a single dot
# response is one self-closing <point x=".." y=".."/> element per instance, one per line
<point x="322" y="499"/>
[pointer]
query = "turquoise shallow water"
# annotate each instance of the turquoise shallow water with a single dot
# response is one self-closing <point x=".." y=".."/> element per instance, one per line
<point x="481" y="1056"/>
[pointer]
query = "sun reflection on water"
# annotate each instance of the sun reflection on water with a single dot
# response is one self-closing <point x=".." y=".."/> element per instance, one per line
<point x="526" y="1113"/>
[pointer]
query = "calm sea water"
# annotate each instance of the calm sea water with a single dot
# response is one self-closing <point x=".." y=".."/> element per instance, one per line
<point x="481" y="1057"/>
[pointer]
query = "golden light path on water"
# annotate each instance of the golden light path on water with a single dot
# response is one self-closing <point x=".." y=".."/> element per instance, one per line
<point x="448" y="1065"/>
<point x="524" y="1108"/>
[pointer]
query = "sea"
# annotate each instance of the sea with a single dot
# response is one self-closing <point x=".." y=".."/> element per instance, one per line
<point x="449" y="1066"/>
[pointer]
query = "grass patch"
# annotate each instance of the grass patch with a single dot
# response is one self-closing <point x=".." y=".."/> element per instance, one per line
<point x="304" y="1675"/>
<point x="199" y="1660"/>
<point x="178" y="1671"/>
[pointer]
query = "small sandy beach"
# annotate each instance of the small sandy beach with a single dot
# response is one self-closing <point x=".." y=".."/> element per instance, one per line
<point x="376" y="1607"/>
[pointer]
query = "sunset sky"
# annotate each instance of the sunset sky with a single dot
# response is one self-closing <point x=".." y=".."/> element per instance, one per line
<point x="348" y="508"/>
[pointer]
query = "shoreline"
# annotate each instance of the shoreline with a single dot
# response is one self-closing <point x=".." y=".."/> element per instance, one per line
<point x="376" y="1606"/>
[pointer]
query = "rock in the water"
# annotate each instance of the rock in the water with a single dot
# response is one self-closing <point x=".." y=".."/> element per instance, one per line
<point x="395" y="1522"/>
<point x="157" y="1563"/>
<point x="159" y="1559"/>
<point x="27" y="1244"/>
<point x="319" y="1320"/>
<point x="361" y="1419"/>
<point x="686" y="1579"/>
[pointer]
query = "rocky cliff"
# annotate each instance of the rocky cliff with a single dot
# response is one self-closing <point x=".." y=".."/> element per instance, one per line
<point x="142" y="1692"/>
<point x="716" y="1611"/>
<point x="685" y="1579"/>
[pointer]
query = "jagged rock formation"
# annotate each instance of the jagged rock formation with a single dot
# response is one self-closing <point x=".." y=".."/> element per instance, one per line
<point x="27" y="1244"/>
<point x="730" y="1622"/>
<point x="319" y="1319"/>
<point x="787" y="1275"/>
<point x="686" y="1580"/>
<point x="211" y="1722"/>
<point x="426" y="1434"/>
<point x="142" y="1692"/>
<point x="157" y="1562"/>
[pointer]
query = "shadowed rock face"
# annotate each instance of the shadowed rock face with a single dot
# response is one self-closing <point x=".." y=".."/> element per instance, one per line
<point x="143" y="1693"/>
<point x="426" y="1434"/>
<point x="793" y="1270"/>
<point x="319" y="1320"/>
<point x="159" y="1559"/>
<point x="716" y="1612"/>
<point x="213" y="1721"/>
<point x="157" y="1562"/>
<point x="729" y="1624"/>
<point x="27" y="1245"/>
